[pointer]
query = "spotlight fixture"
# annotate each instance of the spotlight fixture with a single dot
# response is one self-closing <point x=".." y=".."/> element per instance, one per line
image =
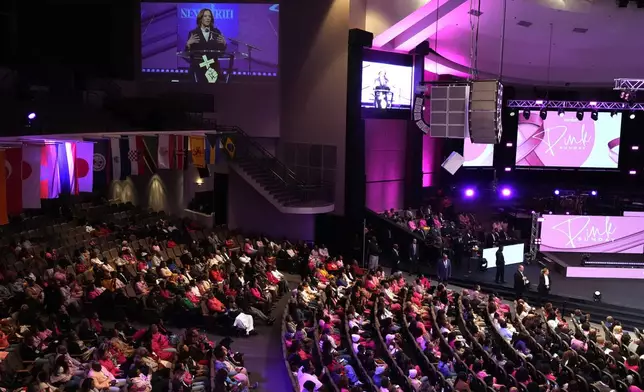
<point x="526" y="114"/>
<point x="580" y="115"/>
<point x="632" y="116"/>
<point x="557" y="192"/>
<point x="597" y="296"/>
<point x="561" y="112"/>
<point x="593" y="193"/>
<point x="513" y="113"/>
<point x="613" y="113"/>
<point x="594" y="115"/>
<point x="31" y="116"/>
<point x="469" y="192"/>
<point x="543" y="113"/>
<point x="506" y="192"/>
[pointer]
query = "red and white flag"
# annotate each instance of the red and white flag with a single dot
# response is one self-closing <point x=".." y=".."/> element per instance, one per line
<point x="165" y="151"/>
<point x="31" y="159"/>
<point x="135" y="155"/>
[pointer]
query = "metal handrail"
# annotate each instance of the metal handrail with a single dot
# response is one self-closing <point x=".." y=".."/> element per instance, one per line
<point x="286" y="169"/>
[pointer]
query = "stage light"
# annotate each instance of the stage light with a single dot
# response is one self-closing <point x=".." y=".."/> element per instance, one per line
<point x="469" y="192"/>
<point x="543" y="114"/>
<point x="632" y="116"/>
<point x="509" y="144"/>
<point x="506" y="192"/>
<point x="597" y="296"/>
<point x="567" y="213"/>
<point x="580" y="115"/>
<point x="507" y="169"/>
<point x="557" y="192"/>
<point x="31" y="116"/>
<point x="526" y="114"/>
<point x="594" y="115"/>
<point x="513" y="113"/>
<point x="561" y="112"/>
<point x="635" y="148"/>
<point x="593" y="193"/>
<point x="613" y="113"/>
<point x="632" y="172"/>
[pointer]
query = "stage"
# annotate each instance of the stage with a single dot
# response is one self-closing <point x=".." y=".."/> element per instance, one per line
<point x="598" y="266"/>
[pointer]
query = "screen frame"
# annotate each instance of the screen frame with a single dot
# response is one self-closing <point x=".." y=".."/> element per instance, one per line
<point x="165" y="77"/>
<point x="567" y="168"/>
<point x="400" y="59"/>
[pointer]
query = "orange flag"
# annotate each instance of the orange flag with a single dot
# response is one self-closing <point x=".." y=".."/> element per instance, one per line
<point x="4" y="218"/>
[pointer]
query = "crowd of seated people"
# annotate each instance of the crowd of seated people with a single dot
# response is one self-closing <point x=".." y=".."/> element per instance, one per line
<point x="53" y="300"/>
<point x="436" y="229"/>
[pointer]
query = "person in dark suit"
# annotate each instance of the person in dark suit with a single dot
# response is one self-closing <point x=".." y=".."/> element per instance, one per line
<point x="413" y="257"/>
<point x="521" y="283"/>
<point x="500" y="266"/>
<point x="544" y="285"/>
<point x="395" y="259"/>
<point x="374" y="253"/>
<point x="444" y="269"/>
<point x="205" y="37"/>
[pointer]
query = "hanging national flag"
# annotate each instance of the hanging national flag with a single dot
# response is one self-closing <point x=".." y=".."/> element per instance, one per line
<point x="230" y="147"/>
<point x="102" y="165"/>
<point x="165" y="151"/>
<point x="181" y="151"/>
<point x="85" y="166"/>
<point x="67" y="168"/>
<point x="4" y="217"/>
<point x="31" y="156"/>
<point x="121" y="164"/>
<point x="136" y="155"/>
<point x="49" y="176"/>
<point x="150" y="148"/>
<point x="198" y="151"/>
<point x="13" y="178"/>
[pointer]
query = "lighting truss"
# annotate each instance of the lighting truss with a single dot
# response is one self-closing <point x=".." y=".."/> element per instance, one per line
<point x="574" y="105"/>
<point x="629" y="84"/>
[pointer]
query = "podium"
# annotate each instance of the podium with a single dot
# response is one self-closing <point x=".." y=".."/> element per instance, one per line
<point x="205" y="65"/>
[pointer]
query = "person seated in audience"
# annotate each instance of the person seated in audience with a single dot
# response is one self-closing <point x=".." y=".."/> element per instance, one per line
<point x="237" y="373"/>
<point x="105" y="380"/>
<point x="617" y="332"/>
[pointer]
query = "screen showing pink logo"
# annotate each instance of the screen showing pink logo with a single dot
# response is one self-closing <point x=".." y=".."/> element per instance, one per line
<point x="479" y="155"/>
<point x="595" y="234"/>
<point x="565" y="141"/>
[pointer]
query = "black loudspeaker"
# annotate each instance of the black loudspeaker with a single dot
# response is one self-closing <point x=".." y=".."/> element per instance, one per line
<point x="203" y="172"/>
<point x="360" y="38"/>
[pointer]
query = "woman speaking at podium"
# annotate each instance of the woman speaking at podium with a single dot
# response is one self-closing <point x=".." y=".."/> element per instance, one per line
<point x="202" y="44"/>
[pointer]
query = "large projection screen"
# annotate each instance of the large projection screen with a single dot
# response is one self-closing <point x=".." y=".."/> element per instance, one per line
<point x="592" y="234"/>
<point x="513" y="254"/>
<point x="564" y="141"/>
<point x="477" y="155"/>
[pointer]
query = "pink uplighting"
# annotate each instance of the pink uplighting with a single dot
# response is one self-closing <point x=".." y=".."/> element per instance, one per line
<point x="394" y="31"/>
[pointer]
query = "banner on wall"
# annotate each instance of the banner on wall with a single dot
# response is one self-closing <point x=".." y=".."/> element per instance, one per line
<point x="214" y="153"/>
<point x="592" y="234"/>
<point x="101" y="165"/>
<point x="31" y="157"/>
<point x="49" y="178"/>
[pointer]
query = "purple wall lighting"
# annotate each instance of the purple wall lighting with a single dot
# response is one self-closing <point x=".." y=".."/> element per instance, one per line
<point x="385" y="147"/>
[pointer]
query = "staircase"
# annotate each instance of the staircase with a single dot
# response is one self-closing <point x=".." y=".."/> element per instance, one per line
<point x="273" y="179"/>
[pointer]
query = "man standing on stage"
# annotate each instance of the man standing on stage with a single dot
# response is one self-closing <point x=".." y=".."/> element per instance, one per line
<point x="500" y="266"/>
<point x="374" y="253"/>
<point x="521" y="283"/>
<point x="205" y="37"/>
<point x="395" y="259"/>
<point x="444" y="269"/>
<point x="413" y="257"/>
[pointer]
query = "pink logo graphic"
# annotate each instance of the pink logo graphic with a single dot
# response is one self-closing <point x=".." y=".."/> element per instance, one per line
<point x="557" y="141"/>
<point x="598" y="234"/>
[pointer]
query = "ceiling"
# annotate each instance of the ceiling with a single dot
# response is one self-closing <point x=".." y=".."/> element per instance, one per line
<point x="556" y="42"/>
